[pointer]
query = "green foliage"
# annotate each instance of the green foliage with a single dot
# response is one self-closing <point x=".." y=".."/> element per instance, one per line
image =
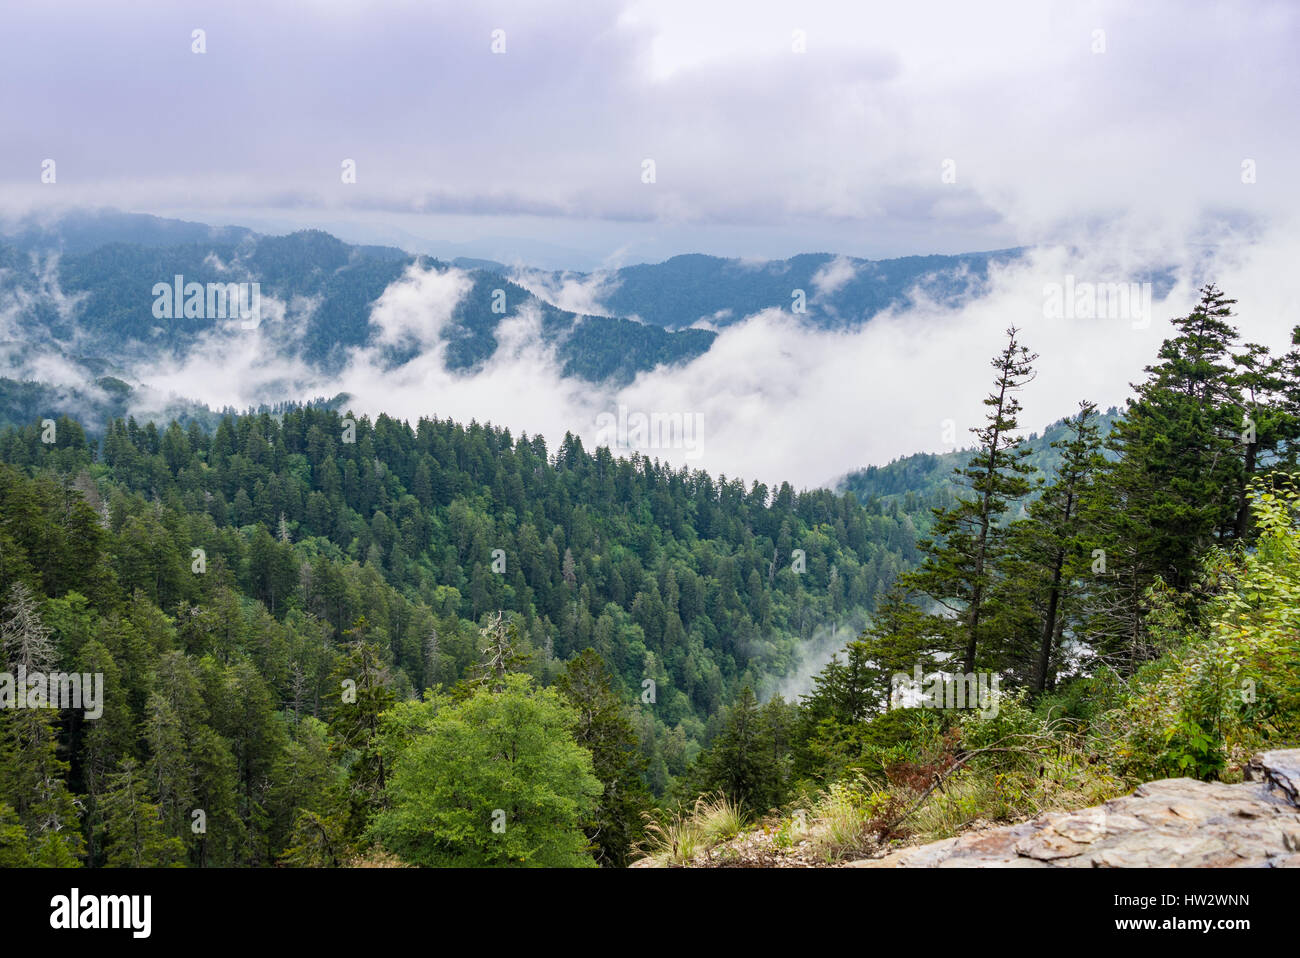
<point x="135" y="834"/>
<point x="495" y="779"/>
<point x="1234" y="686"/>
<point x="340" y="651"/>
<point x="748" y="762"/>
<point x="616" y="824"/>
<point x="965" y="613"/>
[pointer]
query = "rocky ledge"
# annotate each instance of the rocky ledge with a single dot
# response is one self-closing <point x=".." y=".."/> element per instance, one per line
<point x="1176" y="822"/>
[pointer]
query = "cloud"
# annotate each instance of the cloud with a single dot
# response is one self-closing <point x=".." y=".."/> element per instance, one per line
<point x="905" y="129"/>
<point x="834" y="276"/>
<point x="582" y="293"/>
<point x="777" y="400"/>
<point x="759" y="149"/>
<point x="417" y="307"/>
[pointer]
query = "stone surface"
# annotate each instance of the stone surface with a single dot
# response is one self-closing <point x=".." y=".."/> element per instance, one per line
<point x="1177" y="822"/>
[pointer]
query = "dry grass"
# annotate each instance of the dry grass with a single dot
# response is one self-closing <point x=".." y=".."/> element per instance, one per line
<point x="681" y="836"/>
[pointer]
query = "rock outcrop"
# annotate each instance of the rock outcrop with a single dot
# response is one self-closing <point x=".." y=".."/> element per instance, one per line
<point x="1177" y="822"/>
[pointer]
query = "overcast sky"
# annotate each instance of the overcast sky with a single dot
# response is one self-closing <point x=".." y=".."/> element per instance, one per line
<point x="536" y="154"/>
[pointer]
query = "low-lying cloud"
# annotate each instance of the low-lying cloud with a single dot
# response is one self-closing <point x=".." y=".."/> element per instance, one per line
<point x="774" y="399"/>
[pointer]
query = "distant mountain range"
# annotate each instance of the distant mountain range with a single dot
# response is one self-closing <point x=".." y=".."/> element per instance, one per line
<point x="837" y="291"/>
<point x="75" y="294"/>
<point x="91" y="303"/>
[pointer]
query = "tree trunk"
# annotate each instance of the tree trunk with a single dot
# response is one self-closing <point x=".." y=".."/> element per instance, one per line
<point x="1049" y="627"/>
<point x="1243" y="501"/>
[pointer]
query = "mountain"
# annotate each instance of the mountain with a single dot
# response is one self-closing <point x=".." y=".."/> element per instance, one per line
<point x="338" y="637"/>
<point x="77" y="304"/>
<point x="68" y="296"/>
<point x="923" y="480"/>
<point x="416" y="531"/>
<point x="839" y="291"/>
<point x="80" y="231"/>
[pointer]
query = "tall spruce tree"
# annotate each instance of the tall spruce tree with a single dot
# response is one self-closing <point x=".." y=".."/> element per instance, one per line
<point x="1173" y="486"/>
<point x="960" y="567"/>
<point x="1270" y="422"/>
<point x="738" y="763"/>
<point x="1047" y="551"/>
<point x="615" y="824"/>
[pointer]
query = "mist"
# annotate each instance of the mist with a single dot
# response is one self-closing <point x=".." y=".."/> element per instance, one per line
<point x="776" y="399"/>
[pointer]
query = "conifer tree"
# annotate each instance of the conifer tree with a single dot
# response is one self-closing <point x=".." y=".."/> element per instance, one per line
<point x="1172" y="488"/>
<point x="738" y="762"/>
<point x="1046" y="550"/>
<point x="616" y="823"/>
<point x="135" y="836"/>
<point x="365" y="693"/>
<point x="501" y="653"/>
<point x="959" y="571"/>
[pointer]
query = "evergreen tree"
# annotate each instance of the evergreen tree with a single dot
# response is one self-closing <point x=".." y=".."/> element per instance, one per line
<point x="364" y="694"/>
<point x="960" y="567"/>
<point x="738" y="763"/>
<point x="1172" y="488"/>
<point x="1046" y="552"/>
<point x="616" y="823"/>
<point x="501" y="653"/>
<point x="135" y="836"/>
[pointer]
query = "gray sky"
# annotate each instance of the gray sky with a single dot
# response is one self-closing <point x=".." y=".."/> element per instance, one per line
<point x="535" y="155"/>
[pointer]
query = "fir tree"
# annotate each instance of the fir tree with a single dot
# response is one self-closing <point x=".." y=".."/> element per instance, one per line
<point x="1172" y="488"/>
<point x="1047" y="551"/>
<point x="960" y="568"/>
<point x="135" y="836"/>
<point x="616" y="823"/>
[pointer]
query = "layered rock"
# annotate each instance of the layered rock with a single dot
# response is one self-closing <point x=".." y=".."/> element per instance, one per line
<point x="1177" y="822"/>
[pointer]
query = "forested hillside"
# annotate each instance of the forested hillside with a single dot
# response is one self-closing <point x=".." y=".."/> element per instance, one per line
<point x="925" y="481"/>
<point x="94" y="307"/>
<point x="225" y="581"/>
<point x="325" y="640"/>
<point x="1137" y="618"/>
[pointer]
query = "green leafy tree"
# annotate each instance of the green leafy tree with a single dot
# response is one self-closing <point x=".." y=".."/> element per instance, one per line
<point x="494" y="780"/>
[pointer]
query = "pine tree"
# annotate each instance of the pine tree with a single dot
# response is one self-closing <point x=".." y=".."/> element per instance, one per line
<point x="1270" y="423"/>
<point x="168" y="771"/>
<point x="960" y="568"/>
<point x="1172" y="489"/>
<point x="738" y="762"/>
<point x="24" y="639"/>
<point x="616" y="823"/>
<point x="847" y="691"/>
<point x="1047" y="551"/>
<point x="135" y="836"/>
<point x="900" y="639"/>
<point x="501" y="653"/>
<point x="366" y="693"/>
<point x="33" y="778"/>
